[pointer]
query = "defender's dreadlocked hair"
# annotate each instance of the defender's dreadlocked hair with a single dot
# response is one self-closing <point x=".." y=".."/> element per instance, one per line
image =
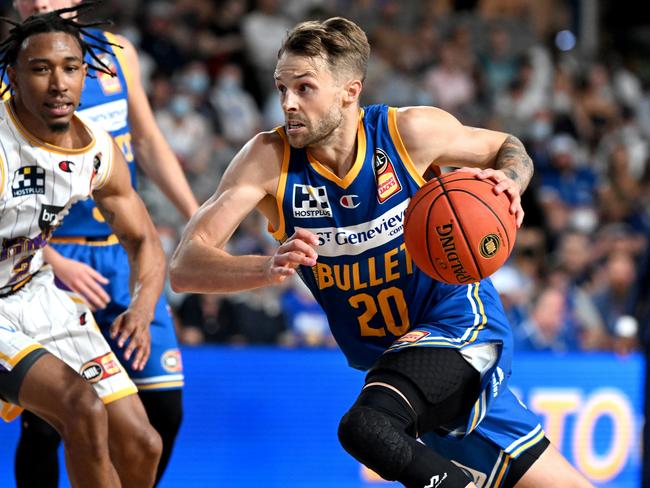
<point x="55" y="22"/>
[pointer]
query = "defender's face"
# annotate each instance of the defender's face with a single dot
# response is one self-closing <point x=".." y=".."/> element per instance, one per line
<point x="26" y="8"/>
<point x="311" y="99"/>
<point x="47" y="80"/>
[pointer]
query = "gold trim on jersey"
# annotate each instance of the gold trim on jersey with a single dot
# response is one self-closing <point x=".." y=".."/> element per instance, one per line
<point x="279" y="234"/>
<point x="10" y="411"/>
<point x="162" y="384"/>
<point x="119" y="55"/>
<point x="16" y="358"/>
<point x="3" y="174"/>
<point x="118" y="395"/>
<point x="344" y="182"/>
<point x="86" y="241"/>
<point x="401" y="149"/>
<point x="111" y="160"/>
<point x="7" y="94"/>
<point x="46" y="145"/>
<point x="503" y="469"/>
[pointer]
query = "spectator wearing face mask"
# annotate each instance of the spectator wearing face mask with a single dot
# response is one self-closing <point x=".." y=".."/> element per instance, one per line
<point x="235" y="108"/>
<point x="182" y="126"/>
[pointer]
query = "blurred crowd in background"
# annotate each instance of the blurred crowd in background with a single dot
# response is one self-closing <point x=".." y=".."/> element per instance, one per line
<point x="548" y="72"/>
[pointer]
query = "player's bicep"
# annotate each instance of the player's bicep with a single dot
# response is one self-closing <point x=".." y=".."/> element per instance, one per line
<point x="218" y="218"/>
<point x="120" y="205"/>
<point x="433" y="136"/>
<point x="249" y="180"/>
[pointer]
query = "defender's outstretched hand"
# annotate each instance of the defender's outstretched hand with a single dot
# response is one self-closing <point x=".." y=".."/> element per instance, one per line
<point x="295" y="251"/>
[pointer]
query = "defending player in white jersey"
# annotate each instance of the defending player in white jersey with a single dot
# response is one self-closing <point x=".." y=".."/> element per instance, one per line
<point x="50" y="158"/>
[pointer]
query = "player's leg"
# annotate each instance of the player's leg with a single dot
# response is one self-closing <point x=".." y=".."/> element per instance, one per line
<point x="160" y="382"/>
<point x="552" y="469"/>
<point x="134" y="444"/>
<point x="54" y="391"/>
<point x="38" y="440"/>
<point x="380" y="429"/>
<point x="165" y="411"/>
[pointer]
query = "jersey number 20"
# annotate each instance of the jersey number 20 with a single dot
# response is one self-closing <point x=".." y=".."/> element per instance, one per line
<point x="396" y="325"/>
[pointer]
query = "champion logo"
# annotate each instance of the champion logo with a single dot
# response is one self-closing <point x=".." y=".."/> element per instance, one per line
<point x="436" y="481"/>
<point x="66" y="166"/>
<point x="349" y="201"/>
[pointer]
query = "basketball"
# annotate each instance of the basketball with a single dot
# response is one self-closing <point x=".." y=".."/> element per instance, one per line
<point x="457" y="230"/>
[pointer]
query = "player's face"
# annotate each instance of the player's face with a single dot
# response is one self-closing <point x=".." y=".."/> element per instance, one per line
<point x="47" y="81"/>
<point x="26" y="8"/>
<point x="311" y="99"/>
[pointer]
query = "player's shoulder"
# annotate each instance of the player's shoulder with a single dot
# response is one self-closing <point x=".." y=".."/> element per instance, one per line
<point x="416" y="115"/>
<point x="267" y="145"/>
<point x="259" y="161"/>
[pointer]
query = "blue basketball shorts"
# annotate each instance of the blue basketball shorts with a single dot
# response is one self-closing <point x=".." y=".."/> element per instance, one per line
<point x="499" y="427"/>
<point x="164" y="370"/>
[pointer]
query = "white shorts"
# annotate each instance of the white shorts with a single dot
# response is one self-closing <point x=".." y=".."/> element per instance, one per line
<point x="42" y="315"/>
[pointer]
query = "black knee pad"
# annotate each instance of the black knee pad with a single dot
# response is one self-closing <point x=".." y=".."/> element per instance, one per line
<point x="440" y="384"/>
<point x="370" y="437"/>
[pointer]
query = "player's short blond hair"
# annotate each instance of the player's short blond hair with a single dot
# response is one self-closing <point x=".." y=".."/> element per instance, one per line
<point x="341" y="42"/>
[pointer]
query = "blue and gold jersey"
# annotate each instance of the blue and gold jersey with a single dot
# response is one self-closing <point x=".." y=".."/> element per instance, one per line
<point x="103" y="101"/>
<point x="365" y="280"/>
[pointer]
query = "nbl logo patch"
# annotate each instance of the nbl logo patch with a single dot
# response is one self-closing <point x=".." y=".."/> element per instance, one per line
<point x="28" y="180"/>
<point x="310" y="201"/>
<point x="100" y="368"/>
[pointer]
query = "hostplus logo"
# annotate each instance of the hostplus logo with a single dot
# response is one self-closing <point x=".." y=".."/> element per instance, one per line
<point x="310" y="201"/>
<point x="28" y="180"/>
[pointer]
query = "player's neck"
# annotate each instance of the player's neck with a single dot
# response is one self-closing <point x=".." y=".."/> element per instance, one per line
<point x="339" y="152"/>
<point x="75" y="136"/>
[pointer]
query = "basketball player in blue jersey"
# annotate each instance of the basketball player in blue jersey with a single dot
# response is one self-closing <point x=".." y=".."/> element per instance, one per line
<point x="334" y="183"/>
<point x="87" y="258"/>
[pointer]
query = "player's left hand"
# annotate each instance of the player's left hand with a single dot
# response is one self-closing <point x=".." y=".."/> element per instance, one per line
<point x="504" y="184"/>
<point x="133" y="326"/>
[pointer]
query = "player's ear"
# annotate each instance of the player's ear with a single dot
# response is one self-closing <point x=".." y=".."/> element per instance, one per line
<point x="353" y="90"/>
<point x="11" y="76"/>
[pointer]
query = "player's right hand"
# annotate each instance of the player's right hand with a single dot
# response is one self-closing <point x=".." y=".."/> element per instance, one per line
<point x="83" y="280"/>
<point x="295" y="251"/>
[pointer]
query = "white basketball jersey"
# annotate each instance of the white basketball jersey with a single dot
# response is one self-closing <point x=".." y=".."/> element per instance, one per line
<point x="38" y="184"/>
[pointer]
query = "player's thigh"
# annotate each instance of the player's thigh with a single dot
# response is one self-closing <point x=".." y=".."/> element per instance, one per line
<point x="54" y="391"/>
<point x="552" y="469"/>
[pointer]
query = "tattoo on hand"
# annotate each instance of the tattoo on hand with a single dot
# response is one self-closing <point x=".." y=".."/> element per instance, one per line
<point x="513" y="160"/>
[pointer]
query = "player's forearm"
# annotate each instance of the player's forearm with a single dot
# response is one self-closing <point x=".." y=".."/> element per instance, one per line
<point x="515" y="162"/>
<point x="147" y="264"/>
<point x="198" y="268"/>
<point x="159" y="163"/>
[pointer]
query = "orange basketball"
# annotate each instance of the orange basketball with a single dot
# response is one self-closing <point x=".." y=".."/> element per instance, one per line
<point x="457" y="230"/>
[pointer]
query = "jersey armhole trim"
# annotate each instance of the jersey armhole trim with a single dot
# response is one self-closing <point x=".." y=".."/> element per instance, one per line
<point x="401" y="149"/>
<point x="100" y="183"/>
<point x="279" y="234"/>
<point x="118" y="52"/>
<point x="3" y="176"/>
